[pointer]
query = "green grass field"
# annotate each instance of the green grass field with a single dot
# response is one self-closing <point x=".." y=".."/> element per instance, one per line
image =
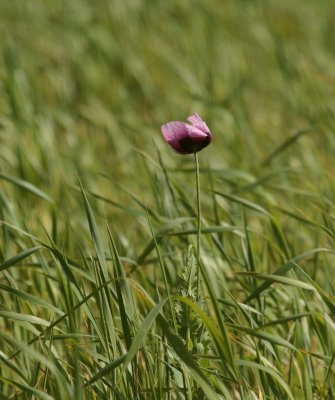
<point x="98" y="217"/>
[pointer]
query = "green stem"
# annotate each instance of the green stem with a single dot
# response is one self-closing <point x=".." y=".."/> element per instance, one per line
<point x="199" y="220"/>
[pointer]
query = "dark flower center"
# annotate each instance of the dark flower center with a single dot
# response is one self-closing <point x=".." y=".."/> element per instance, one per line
<point x="190" y="146"/>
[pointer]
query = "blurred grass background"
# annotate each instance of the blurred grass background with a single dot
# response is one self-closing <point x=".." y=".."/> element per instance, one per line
<point x="86" y="85"/>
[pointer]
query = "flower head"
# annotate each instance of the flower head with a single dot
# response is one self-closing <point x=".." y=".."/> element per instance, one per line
<point x="187" y="138"/>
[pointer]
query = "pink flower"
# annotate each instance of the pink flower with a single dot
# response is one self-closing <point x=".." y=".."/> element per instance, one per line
<point x="187" y="138"/>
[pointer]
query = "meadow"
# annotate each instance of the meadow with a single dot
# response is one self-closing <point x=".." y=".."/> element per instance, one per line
<point x="98" y="216"/>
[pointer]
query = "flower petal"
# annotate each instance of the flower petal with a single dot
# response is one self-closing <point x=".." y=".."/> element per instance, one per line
<point x="194" y="119"/>
<point x="196" y="134"/>
<point x="198" y="122"/>
<point x="173" y="133"/>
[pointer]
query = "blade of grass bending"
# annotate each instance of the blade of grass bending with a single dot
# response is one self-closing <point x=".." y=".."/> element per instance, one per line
<point x="73" y="336"/>
<point x="43" y="244"/>
<point x="240" y="200"/>
<point x="127" y="210"/>
<point x="283" y="146"/>
<point x="166" y="232"/>
<point x="5" y="359"/>
<point x="26" y="186"/>
<point x="32" y="319"/>
<point x="310" y="222"/>
<point x="139" y="338"/>
<point x="278" y="279"/>
<point x="243" y="307"/>
<point x="61" y="318"/>
<point x="206" y="231"/>
<point x="106" y="370"/>
<point x="21" y="231"/>
<point x="285" y="319"/>
<point x="140" y="203"/>
<point x="266" y="369"/>
<point x="19" y="257"/>
<point x="248" y="187"/>
<point x="283" y="269"/>
<point x="33" y="354"/>
<point x="162" y="232"/>
<point x="329" y="299"/>
<point x="28" y="389"/>
<point x="263" y="335"/>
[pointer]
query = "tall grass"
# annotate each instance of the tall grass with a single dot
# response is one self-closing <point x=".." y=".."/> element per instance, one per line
<point x="98" y="218"/>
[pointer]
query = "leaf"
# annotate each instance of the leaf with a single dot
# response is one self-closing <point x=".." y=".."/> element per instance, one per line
<point x="95" y="234"/>
<point x="106" y="370"/>
<point x="121" y="285"/>
<point x="268" y="370"/>
<point x="207" y="230"/>
<point x="283" y="269"/>
<point x="263" y="335"/>
<point x="282" y="147"/>
<point x="277" y="278"/>
<point x="32" y="319"/>
<point x="240" y="200"/>
<point x="139" y="338"/>
<point x="28" y="389"/>
<point x="26" y="186"/>
<point x="285" y="319"/>
<point x="19" y="257"/>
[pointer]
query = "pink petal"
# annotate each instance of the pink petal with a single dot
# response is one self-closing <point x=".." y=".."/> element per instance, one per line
<point x="194" y="119"/>
<point x="198" y="122"/>
<point x="196" y="134"/>
<point x="173" y="133"/>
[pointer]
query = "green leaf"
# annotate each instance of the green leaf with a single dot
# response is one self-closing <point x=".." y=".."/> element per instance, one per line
<point x="19" y="257"/>
<point x="283" y="146"/>
<point x="253" y="365"/>
<point x="32" y="319"/>
<point x="26" y="186"/>
<point x="142" y="332"/>
<point x="263" y="335"/>
<point x="241" y="201"/>
<point x="95" y="234"/>
<point x="277" y="278"/>
<point x="283" y="269"/>
<point x="28" y="389"/>
<point x="106" y="370"/>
